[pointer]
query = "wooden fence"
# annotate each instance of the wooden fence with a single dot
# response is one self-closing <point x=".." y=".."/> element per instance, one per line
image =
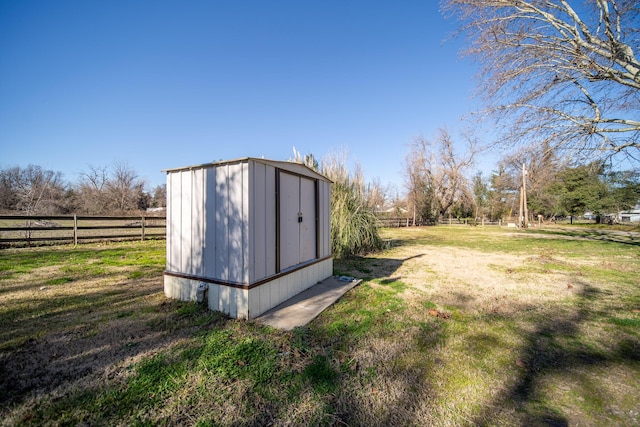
<point x="387" y="222"/>
<point x="21" y="230"/>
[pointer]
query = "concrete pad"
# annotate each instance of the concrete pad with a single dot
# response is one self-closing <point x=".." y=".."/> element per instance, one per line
<point x="307" y="305"/>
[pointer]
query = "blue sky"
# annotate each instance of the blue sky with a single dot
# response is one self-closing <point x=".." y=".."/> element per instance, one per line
<point x="163" y="84"/>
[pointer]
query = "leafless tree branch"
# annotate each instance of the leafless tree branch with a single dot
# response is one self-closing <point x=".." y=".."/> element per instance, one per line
<point x="560" y="73"/>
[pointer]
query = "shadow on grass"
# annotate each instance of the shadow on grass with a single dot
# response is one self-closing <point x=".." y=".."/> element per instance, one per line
<point x="369" y="268"/>
<point x="60" y="339"/>
<point x="366" y="361"/>
<point x="369" y="363"/>
<point x="602" y="235"/>
<point x="553" y="348"/>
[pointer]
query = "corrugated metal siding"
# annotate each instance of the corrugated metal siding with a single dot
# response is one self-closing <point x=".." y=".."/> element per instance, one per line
<point x="324" y="223"/>
<point x="307" y="228"/>
<point x="289" y="198"/>
<point x="208" y="222"/>
<point x="270" y="222"/>
<point x="221" y="221"/>
<point x="262" y="232"/>
<point x="185" y="223"/>
<point x="237" y="225"/>
<point x="174" y="221"/>
<point x="230" y="216"/>
<point x="198" y="193"/>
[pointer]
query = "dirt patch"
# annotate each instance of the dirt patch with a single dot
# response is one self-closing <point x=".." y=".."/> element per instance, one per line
<point x="475" y="281"/>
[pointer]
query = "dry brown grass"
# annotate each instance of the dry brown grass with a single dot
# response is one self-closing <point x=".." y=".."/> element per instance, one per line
<point x="450" y="327"/>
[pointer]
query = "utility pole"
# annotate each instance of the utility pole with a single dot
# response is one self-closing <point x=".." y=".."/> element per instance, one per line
<point x="524" y="197"/>
<point x="520" y="211"/>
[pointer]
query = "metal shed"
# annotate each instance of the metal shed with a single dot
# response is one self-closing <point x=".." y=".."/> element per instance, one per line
<point x="248" y="233"/>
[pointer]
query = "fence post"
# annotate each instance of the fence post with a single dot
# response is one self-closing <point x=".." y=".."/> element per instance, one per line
<point x="75" y="230"/>
<point x="142" y="228"/>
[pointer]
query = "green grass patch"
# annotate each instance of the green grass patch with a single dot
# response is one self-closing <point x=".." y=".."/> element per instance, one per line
<point x="321" y="374"/>
<point x="59" y="281"/>
<point x="554" y="343"/>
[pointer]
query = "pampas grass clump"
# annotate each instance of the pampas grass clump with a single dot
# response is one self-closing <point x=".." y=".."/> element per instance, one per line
<point x="353" y="223"/>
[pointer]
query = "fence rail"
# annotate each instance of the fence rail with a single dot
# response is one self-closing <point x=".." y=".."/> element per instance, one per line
<point x="20" y="230"/>
<point x="387" y="222"/>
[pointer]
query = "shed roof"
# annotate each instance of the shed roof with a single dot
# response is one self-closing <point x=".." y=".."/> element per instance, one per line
<point x="296" y="167"/>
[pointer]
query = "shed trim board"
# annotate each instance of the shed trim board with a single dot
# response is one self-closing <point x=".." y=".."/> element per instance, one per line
<point x="294" y="167"/>
<point x="257" y="231"/>
<point x="244" y="285"/>
<point x="249" y="302"/>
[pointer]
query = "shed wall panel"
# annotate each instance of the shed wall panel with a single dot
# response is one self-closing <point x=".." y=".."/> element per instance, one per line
<point x="262" y="221"/>
<point x="222" y="223"/>
<point x="237" y="224"/>
<point x="214" y="297"/>
<point x="224" y="299"/>
<point x="185" y="223"/>
<point x="307" y="228"/>
<point x="289" y="227"/>
<point x="232" y="306"/>
<point x="253" y="303"/>
<point x="258" y="221"/>
<point x="265" y="293"/>
<point x="198" y="222"/>
<point x="270" y="221"/>
<point x="243" y="304"/>
<point x="173" y="221"/>
<point x="321" y="219"/>
<point x="325" y="219"/>
<point x="247" y="267"/>
<point x="210" y="227"/>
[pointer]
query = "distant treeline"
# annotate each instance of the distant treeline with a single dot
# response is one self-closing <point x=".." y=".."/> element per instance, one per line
<point x="112" y="190"/>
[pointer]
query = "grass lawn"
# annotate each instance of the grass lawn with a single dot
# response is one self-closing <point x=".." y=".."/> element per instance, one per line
<point x="451" y="326"/>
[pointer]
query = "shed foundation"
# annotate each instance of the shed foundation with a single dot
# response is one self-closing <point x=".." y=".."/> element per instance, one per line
<point x="249" y="301"/>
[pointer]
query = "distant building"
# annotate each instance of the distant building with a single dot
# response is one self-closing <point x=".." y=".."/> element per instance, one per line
<point x="629" y="216"/>
<point x="155" y="210"/>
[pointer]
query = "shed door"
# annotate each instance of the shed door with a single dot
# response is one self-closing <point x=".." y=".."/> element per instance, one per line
<point x="297" y="220"/>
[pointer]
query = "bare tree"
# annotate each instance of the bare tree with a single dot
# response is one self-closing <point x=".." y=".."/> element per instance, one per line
<point x="123" y="187"/>
<point x="32" y="189"/>
<point x="567" y="75"/>
<point x="420" y="197"/>
<point x="376" y="195"/>
<point x="159" y="199"/>
<point x="436" y="174"/>
<point x="8" y="194"/>
<point x="92" y="189"/>
<point x="110" y="190"/>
